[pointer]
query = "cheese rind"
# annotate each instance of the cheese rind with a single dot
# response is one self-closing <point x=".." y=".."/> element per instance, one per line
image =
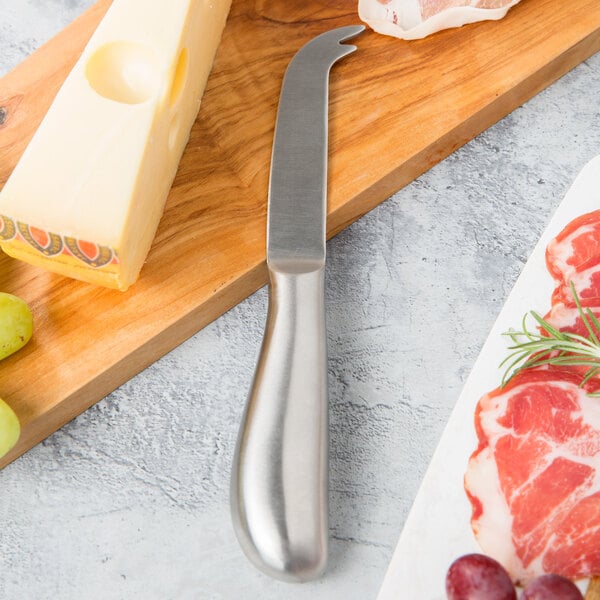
<point x="95" y="176"/>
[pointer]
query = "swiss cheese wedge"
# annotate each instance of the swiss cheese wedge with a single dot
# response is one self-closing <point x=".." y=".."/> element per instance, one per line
<point x="87" y="195"/>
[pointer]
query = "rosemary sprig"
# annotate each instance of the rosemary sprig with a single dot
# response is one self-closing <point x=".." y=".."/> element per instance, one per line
<point x="553" y="347"/>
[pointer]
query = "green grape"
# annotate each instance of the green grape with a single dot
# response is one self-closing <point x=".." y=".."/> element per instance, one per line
<point x="16" y="324"/>
<point x="10" y="429"/>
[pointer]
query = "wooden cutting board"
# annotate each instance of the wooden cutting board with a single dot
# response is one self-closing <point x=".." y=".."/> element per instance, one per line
<point x="396" y="109"/>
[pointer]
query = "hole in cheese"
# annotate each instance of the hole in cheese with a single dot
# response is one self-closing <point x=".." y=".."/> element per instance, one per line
<point x="180" y="77"/>
<point x="125" y="72"/>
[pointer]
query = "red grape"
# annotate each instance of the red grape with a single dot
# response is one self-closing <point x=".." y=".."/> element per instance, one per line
<point x="478" y="577"/>
<point x="551" y="587"/>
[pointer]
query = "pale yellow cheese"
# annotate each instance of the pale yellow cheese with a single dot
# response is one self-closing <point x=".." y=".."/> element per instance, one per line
<point x="87" y="195"/>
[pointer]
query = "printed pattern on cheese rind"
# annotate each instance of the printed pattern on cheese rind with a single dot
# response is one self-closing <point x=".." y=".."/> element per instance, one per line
<point x="92" y="254"/>
<point x="51" y="244"/>
<point x="7" y="229"/>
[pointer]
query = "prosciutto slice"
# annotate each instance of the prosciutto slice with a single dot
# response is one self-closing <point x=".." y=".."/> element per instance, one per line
<point x="576" y="248"/>
<point x="573" y="257"/>
<point x="587" y="286"/>
<point x="534" y="480"/>
<point x="413" y="19"/>
<point x="567" y="318"/>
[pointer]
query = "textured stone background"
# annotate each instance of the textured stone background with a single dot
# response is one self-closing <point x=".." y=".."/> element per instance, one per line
<point x="130" y="500"/>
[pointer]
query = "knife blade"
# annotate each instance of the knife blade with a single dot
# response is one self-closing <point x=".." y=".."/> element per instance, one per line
<point x="279" y="482"/>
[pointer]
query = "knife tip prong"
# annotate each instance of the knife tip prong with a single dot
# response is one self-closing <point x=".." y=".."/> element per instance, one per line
<point x="350" y="31"/>
<point x="348" y="49"/>
<point x="335" y="38"/>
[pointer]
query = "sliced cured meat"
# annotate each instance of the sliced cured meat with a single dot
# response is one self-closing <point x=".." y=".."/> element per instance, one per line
<point x="412" y="19"/>
<point x="576" y="248"/>
<point x="429" y="8"/>
<point x="567" y="318"/>
<point x="586" y="283"/>
<point x="570" y="533"/>
<point x="534" y="480"/>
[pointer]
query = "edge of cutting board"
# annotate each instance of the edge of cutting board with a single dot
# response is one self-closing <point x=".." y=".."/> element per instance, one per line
<point x="357" y="184"/>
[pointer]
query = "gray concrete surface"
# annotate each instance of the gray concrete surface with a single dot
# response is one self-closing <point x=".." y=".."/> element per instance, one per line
<point x="130" y="500"/>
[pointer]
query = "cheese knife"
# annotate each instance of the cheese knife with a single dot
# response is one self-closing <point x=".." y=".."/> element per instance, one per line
<point x="279" y="483"/>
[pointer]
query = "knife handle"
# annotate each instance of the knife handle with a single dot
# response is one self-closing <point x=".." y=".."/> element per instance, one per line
<point x="279" y="487"/>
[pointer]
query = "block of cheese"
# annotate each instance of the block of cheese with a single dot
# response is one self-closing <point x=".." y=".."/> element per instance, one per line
<point x="87" y="195"/>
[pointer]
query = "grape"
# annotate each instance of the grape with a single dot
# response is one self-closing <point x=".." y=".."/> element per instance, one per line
<point x="551" y="587"/>
<point x="9" y="428"/>
<point x="16" y="324"/>
<point x="478" y="577"/>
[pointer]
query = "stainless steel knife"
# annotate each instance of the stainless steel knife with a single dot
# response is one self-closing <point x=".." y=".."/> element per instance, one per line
<point x="279" y="483"/>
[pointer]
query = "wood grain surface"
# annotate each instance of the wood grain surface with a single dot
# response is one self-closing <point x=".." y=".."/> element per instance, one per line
<point x="593" y="591"/>
<point x="396" y="108"/>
